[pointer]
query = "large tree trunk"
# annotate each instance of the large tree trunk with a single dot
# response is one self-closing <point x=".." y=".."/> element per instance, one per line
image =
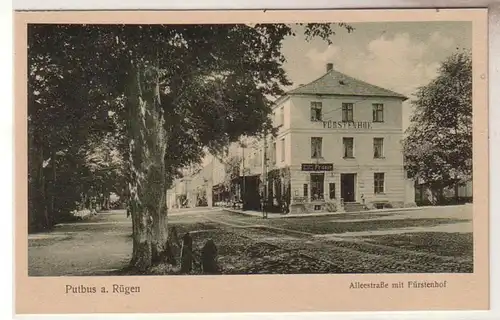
<point x="42" y="212"/>
<point x="32" y="184"/>
<point x="147" y="168"/>
<point x="53" y="187"/>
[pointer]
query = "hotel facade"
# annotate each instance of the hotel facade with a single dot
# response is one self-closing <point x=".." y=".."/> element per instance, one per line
<point x="338" y="147"/>
<point x="338" y="143"/>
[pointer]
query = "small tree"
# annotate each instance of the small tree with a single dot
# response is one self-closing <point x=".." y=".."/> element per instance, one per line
<point x="438" y="146"/>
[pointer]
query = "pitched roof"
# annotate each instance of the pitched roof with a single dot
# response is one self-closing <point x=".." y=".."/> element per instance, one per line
<point x="337" y="83"/>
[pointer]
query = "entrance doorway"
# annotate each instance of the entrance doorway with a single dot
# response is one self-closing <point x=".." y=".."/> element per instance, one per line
<point x="317" y="186"/>
<point x="347" y="186"/>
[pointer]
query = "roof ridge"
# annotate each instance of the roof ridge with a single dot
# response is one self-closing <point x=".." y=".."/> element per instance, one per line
<point x="370" y="87"/>
<point x="317" y="79"/>
<point x="371" y="84"/>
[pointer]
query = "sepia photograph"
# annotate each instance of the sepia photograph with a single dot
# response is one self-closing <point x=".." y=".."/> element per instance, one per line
<point x="235" y="149"/>
<point x="242" y="149"/>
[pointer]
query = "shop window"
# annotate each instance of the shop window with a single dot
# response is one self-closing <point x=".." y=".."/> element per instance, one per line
<point x="317" y="186"/>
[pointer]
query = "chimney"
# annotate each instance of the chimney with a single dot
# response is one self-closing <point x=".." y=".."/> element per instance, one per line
<point x="329" y="67"/>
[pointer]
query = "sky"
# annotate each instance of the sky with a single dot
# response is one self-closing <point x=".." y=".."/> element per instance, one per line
<point x="399" y="56"/>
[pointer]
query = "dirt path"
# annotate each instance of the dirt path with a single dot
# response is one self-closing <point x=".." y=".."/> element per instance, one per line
<point x="100" y="246"/>
<point x="85" y="248"/>
<point x="345" y="249"/>
<point x="95" y="247"/>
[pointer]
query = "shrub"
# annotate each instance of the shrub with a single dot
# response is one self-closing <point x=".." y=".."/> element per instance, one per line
<point x="424" y="202"/>
<point x="331" y="207"/>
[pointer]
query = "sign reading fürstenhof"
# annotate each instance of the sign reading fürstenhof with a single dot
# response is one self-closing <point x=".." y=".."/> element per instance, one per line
<point x="317" y="167"/>
<point x="347" y="125"/>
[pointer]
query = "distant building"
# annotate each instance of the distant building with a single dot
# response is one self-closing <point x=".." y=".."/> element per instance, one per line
<point x="195" y="188"/>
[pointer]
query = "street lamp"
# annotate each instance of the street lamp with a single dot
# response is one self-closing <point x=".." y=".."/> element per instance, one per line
<point x="264" y="176"/>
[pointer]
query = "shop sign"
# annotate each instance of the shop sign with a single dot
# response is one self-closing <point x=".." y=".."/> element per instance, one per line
<point x="317" y="167"/>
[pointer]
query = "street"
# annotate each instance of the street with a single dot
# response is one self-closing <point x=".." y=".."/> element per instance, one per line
<point x="435" y="239"/>
<point x="82" y="248"/>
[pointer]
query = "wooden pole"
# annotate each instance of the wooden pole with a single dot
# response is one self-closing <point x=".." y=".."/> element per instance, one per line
<point x="264" y="176"/>
<point x="243" y="193"/>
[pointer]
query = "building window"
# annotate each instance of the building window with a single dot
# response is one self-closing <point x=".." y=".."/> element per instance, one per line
<point x="332" y="190"/>
<point x="317" y="186"/>
<point x="316" y="111"/>
<point x="306" y="190"/>
<point x="316" y="146"/>
<point x="273" y="153"/>
<point x="378" y="148"/>
<point x="378" y="182"/>
<point x="348" y="147"/>
<point x="347" y="112"/>
<point x="282" y="116"/>
<point x="274" y="188"/>
<point x="283" y="150"/>
<point x="378" y="112"/>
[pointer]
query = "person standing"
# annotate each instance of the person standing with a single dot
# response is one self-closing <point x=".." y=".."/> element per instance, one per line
<point x="93" y="206"/>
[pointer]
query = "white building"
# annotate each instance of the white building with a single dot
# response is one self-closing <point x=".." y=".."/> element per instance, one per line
<point x="338" y="146"/>
<point x="197" y="183"/>
<point x="340" y="139"/>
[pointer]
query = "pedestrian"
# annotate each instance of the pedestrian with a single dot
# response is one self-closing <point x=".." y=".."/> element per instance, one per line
<point x="93" y="206"/>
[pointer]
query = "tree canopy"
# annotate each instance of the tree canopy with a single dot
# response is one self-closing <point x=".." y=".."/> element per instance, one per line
<point x="160" y="95"/>
<point x="438" y="146"/>
<point x="214" y="79"/>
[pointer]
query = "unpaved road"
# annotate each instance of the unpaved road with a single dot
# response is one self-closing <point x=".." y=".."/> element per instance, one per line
<point x="104" y="244"/>
<point x="96" y="247"/>
<point x="84" y="248"/>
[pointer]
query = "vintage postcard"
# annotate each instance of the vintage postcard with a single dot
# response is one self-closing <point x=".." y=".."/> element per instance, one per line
<point x="251" y="161"/>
